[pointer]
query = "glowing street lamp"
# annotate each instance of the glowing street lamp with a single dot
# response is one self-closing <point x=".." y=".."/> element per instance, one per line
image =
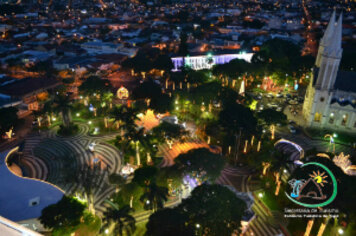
<point x="260" y="195"/>
<point x="332" y="141"/>
<point x="340" y="231"/>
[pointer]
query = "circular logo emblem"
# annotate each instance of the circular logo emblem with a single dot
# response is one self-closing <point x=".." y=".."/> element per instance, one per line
<point x="312" y="185"/>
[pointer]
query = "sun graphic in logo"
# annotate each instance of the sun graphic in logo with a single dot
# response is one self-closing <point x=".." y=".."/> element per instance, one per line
<point x="319" y="177"/>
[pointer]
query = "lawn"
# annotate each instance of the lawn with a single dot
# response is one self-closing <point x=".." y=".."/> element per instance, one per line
<point x="342" y="138"/>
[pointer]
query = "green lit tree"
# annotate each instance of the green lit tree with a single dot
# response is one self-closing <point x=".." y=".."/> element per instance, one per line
<point x="64" y="217"/>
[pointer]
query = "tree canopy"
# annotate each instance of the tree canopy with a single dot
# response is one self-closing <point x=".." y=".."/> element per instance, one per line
<point x="94" y="84"/>
<point x="235" y="116"/>
<point x="210" y="210"/>
<point x="149" y="89"/>
<point x="207" y="164"/>
<point x="271" y="116"/>
<point x="168" y="222"/>
<point x="282" y="57"/>
<point x="167" y="130"/>
<point x="64" y="216"/>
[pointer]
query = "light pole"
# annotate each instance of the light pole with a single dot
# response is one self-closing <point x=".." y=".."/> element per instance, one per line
<point x="332" y="141"/>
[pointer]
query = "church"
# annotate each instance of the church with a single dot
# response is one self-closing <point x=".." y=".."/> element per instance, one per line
<point x="330" y="99"/>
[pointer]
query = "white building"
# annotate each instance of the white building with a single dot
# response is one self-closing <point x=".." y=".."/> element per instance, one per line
<point x="207" y="61"/>
<point x="330" y="100"/>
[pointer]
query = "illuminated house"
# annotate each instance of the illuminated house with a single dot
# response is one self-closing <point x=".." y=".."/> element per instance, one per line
<point x="330" y="100"/>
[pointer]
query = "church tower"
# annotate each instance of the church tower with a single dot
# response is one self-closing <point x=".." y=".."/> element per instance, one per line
<point x="329" y="54"/>
<point x="319" y="92"/>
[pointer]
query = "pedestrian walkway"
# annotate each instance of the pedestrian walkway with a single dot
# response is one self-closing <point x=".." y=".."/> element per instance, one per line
<point x="170" y="153"/>
<point x="48" y="156"/>
<point x="238" y="178"/>
<point x="259" y="225"/>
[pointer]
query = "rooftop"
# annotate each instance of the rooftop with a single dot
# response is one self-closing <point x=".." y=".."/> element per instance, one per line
<point x="27" y="86"/>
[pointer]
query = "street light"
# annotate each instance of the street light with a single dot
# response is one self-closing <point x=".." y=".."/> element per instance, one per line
<point x="197" y="225"/>
<point x="260" y="195"/>
<point x="340" y="231"/>
<point x="335" y="135"/>
<point x="107" y="231"/>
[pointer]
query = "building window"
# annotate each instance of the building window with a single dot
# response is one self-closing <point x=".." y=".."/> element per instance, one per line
<point x="344" y="119"/>
<point x="317" y="117"/>
<point x="331" y="119"/>
<point x="322" y="99"/>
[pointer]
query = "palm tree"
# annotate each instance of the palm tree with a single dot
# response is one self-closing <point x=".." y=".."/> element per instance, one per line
<point x="154" y="197"/>
<point x="62" y="104"/>
<point x="122" y="220"/>
<point x="89" y="179"/>
<point x="136" y="136"/>
<point x="124" y="116"/>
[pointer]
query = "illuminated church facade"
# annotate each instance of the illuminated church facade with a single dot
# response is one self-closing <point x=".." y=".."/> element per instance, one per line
<point x="330" y="100"/>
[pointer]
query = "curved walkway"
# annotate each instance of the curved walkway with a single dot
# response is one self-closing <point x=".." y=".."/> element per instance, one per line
<point x="56" y="159"/>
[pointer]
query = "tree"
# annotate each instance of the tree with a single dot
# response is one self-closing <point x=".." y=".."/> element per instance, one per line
<point x="233" y="69"/>
<point x="124" y="223"/>
<point x="154" y="197"/>
<point x="161" y="103"/>
<point x="45" y="67"/>
<point x="129" y="194"/>
<point x="137" y="137"/>
<point x="215" y="208"/>
<point x="197" y="77"/>
<point x="124" y="116"/>
<point x="141" y="62"/>
<point x="201" y="163"/>
<point x="235" y="116"/>
<point x="282" y="58"/>
<point x="169" y="131"/>
<point x="271" y="116"/>
<point x="144" y="176"/>
<point x="62" y="104"/>
<point x="147" y="90"/>
<point x="8" y="118"/>
<point x="183" y="46"/>
<point x="89" y="178"/>
<point x="117" y="179"/>
<point x="163" y="62"/>
<point x="64" y="216"/>
<point x="95" y="85"/>
<point x="168" y="222"/>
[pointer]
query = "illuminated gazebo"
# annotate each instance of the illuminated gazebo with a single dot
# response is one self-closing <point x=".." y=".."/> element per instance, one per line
<point x="122" y="93"/>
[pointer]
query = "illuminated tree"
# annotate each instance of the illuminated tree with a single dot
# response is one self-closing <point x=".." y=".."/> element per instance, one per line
<point x="64" y="216"/>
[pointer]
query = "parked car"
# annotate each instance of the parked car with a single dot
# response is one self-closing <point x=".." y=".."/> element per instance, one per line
<point x="170" y="119"/>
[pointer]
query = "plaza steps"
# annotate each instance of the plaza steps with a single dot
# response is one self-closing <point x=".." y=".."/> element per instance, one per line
<point x="260" y="226"/>
<point x="35" y="167"/>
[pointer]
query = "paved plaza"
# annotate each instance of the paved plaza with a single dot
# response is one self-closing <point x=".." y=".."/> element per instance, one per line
<point x="57" y="159"/>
